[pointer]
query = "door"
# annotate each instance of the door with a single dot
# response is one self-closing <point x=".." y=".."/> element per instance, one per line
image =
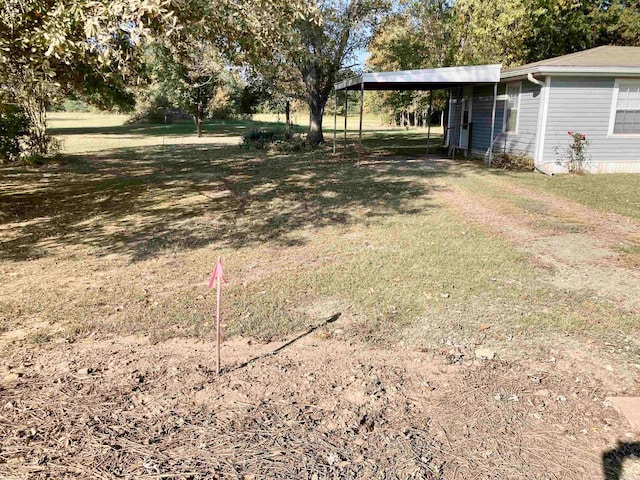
<point x="466" y="119"/>
<point x="450" y="120"/>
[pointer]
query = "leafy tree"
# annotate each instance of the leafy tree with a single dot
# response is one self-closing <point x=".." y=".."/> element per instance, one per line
<point x="491" y="31"/>
<point x="187" y="79"/>
<point x="53" y="44"/>
<point x="312" y="52"/>
<point x="559" y="27"/>
<point x="416" y="35"/>
<point x="48" y="47"/>
<point x="619" y="23"/>
<point x="323" y="49"/>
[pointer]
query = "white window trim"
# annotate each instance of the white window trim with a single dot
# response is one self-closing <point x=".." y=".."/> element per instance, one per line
<point x="468" y="101"/>
<point x="504" y="113"/>
<point x="614" y="106"/>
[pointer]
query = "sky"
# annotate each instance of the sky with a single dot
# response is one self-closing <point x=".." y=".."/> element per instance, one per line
<point x="361" y="58"/>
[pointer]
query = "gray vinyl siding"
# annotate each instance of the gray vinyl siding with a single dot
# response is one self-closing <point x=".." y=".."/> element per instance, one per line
<point x="583" y="105"/>
<point x="481" y="107"/>
<point x="521" y="142"/>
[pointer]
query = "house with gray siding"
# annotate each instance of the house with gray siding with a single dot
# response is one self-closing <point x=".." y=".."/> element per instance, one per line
<point x="530" y="109"/>
<point x="595" y="92"/>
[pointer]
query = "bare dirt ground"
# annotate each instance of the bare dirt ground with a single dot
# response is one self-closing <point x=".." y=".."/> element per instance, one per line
<point x="325" y="406"/>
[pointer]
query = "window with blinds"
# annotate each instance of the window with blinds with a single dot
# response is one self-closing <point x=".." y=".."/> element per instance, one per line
<point x="627" y="109"/>
<point x="511" y="108"/>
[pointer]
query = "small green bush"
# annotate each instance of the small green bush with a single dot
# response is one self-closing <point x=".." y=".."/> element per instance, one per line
<point x="519" y="162"/>
<point x="14" y="127"/>
<point x="294" y="143"/>
<point x="278" y="139"/>
<point x="262" y="139"/>
<point x="70" y="104"/>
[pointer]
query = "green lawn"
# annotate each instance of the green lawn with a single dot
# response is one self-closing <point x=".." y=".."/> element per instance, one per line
<point x="617" y="193"/>
<point x="120" y="234"/>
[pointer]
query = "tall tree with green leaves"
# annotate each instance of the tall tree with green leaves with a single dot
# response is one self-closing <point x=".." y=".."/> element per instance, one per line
<point x="558" y="27"/>
<point x="417" y="34"/>
<point x="322" y="49"/>
<point x="56" y="44"/>
<point x="490" y="31"/>
<point x="312" y="52"/>
<point x="187" y="79"/>
<point x="619" y="22"/>
<point x="49" y="45"/>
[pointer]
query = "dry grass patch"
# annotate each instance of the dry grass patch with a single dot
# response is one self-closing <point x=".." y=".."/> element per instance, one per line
<point x="121" y="241"/>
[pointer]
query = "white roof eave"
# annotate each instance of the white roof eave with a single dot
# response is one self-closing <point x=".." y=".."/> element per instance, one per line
<point x="573" y="71"/>
<point x="478" y="74"/>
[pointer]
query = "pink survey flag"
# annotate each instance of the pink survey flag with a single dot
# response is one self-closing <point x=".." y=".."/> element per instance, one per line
<point x="217" y="272"/>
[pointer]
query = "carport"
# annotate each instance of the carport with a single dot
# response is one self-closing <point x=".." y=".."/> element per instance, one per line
<point x="425" y="80"/>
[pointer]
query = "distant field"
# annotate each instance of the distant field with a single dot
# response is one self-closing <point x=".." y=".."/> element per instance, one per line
<point x="90" y="132"/>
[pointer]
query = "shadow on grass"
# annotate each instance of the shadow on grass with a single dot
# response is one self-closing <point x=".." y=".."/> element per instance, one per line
<point x="143" y="201"/>
<point x="382" y="143"/>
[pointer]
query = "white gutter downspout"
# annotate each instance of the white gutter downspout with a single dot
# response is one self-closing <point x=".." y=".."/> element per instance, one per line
<point x="538" y="150"/>
<point x="532" y="79"/>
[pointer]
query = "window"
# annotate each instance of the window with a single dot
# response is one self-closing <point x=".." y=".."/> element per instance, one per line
<point x="511" y="108"/>
<point x="625" y="115"/>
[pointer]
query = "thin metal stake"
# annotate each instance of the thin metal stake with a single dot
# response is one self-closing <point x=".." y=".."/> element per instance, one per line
<point x="346" y="105"/>
<point x="335" y="120"/>
<point x="360" y="131"/>
<point x="429" y="121"/>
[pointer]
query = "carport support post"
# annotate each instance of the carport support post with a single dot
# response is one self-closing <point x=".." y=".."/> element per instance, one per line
<point x="429" y="121"/>
<point x="493" y="122"/>
<point x="455" y="123"/>
<point x="346" y="105"/>
<point x="335" y="119"/>
<point x="360" y="128"/>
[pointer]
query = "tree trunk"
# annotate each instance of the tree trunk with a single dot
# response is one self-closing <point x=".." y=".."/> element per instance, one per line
<point x="197" y="122"/>
<point x="316" y="111"/>
<point x="197" y="118"/>
<point x="35" y="106"/>
<point x="287" y="112"/>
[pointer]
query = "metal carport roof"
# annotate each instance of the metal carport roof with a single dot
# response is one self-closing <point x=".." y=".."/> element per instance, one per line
<point x="426" y="79"/>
